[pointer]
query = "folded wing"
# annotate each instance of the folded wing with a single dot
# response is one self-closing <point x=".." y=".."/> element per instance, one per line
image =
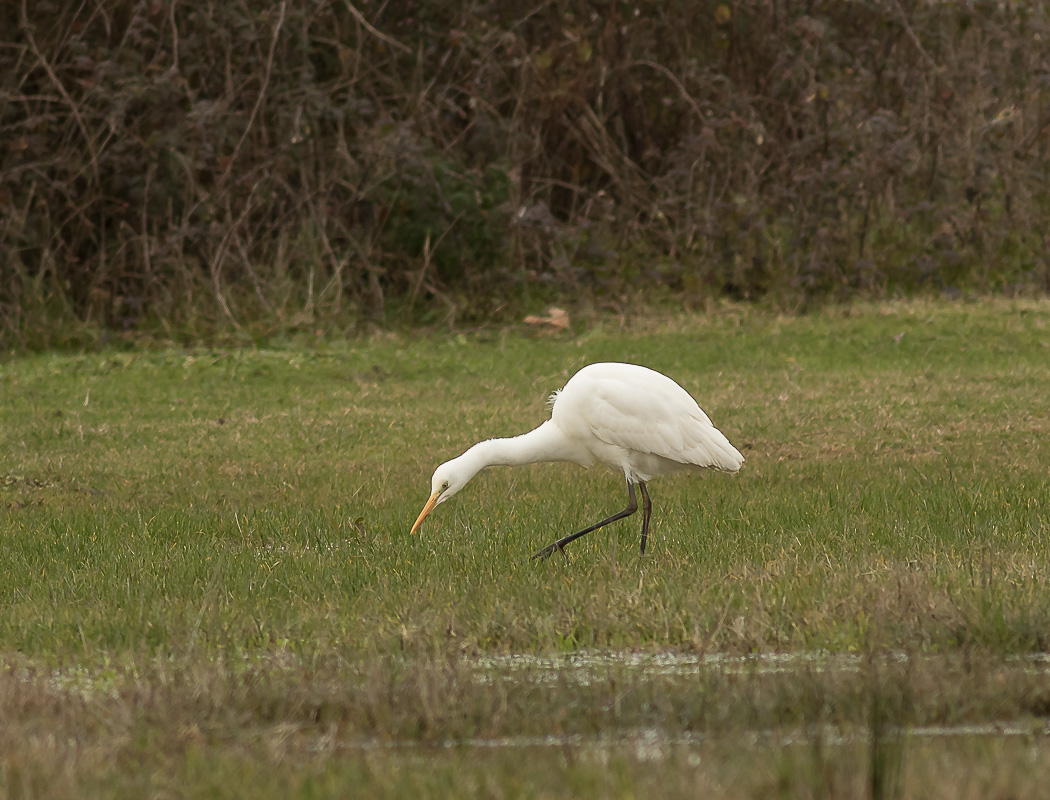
<point x="652" y="414"/>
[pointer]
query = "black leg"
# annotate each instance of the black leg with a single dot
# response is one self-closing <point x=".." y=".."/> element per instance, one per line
<point x="632" y="506"/>
<point x="647" y="511"/>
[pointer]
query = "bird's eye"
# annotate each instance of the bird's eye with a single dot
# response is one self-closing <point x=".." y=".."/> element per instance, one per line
<point x="444" y="486"/>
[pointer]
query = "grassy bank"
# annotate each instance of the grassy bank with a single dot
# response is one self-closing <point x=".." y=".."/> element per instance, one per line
<point x="207" y="576"/>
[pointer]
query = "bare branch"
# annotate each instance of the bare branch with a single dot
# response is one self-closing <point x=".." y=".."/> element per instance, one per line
<point x="911" y="35"/>
<point x="262" y="92"/>
<point x="378" y="34"/>
<point x="61" y="89"/>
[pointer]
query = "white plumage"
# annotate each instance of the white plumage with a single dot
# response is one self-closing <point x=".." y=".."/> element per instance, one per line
<point x="632" y="419"/>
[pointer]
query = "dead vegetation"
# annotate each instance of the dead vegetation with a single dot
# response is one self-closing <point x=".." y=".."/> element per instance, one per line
<point x="249" y="167"/>
<point x="829" y="722"/>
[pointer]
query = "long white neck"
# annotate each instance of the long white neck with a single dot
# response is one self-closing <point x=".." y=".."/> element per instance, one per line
<point x="545" y="443"/>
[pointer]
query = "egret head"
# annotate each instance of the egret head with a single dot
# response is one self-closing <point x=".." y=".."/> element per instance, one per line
<point x="448" y="479"/>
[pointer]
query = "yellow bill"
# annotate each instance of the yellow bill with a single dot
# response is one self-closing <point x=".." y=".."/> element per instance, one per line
<point x="426" y="509"/>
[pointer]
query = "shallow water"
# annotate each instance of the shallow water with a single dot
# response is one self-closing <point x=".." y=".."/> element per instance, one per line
<point x="584" y="667"/>
<point x="650" y="744"/>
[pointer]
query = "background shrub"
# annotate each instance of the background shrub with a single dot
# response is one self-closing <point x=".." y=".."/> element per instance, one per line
<point x="251" y="166"/>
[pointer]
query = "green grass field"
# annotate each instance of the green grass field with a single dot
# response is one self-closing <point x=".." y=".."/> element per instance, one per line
<point x="208" y="588"/>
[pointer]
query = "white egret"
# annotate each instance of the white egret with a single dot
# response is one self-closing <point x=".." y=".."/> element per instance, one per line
<point x="632" y="419"/>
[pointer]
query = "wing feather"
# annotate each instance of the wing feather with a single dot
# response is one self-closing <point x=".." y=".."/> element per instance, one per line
<point x="644" y="411"/>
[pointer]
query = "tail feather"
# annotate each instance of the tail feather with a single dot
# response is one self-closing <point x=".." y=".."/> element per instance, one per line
<point x="717" y="451"/>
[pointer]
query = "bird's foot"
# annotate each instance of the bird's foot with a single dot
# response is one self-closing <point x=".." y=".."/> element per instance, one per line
<point x="546" y="552"/>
